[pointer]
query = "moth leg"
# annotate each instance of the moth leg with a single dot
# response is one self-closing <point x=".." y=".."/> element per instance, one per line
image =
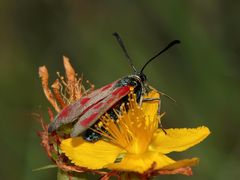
<point x="169" y="97"/>
<point x="163" y="94"/>
<point x="154" y="99"/>
<point x="141" y="101"/>
<point x="158" y="111"/>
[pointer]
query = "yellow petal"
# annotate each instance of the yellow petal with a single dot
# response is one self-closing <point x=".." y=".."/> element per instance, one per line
<point x="141" y="162"/>
<point x="181" y="163"/>
<point x="150" y="107"/>
<point x="177" y="139"/>
<point x="90" y="155"/>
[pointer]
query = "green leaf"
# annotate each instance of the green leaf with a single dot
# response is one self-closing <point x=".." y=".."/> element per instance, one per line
<point x="50" y="166"/>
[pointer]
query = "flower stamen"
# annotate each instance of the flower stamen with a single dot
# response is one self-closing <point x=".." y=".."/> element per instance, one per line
<point x="133" y="130"/>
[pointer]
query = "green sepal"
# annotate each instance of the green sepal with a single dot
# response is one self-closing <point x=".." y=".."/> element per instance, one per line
<point x="62" y="175"/>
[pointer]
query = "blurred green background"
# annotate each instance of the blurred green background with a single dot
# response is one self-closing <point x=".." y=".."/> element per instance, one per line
<point x="202" y="74"/>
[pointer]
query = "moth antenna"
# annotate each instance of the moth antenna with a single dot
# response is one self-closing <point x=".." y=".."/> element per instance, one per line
<point x="120" y="42"/>
<point x="162" y="51"/>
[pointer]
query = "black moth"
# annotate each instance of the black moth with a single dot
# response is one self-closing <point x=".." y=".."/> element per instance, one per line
<point x="88" y="109"/>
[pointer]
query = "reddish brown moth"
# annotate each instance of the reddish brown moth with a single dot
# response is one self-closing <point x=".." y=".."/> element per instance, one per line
<point x="86" y="111"/>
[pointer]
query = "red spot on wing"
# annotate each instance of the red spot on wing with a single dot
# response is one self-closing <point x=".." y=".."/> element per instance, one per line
<point x="84" y="100"/>
<point x="87" y="121"/>
<point x="64" y="113"/>
<point x="110" y="101"/>
<point x="97" y="106"/>
<point x="121" y="91"/>
<point x="106" y="87"/>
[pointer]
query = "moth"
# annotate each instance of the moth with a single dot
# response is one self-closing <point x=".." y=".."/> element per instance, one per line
<point x="86" y="111"/>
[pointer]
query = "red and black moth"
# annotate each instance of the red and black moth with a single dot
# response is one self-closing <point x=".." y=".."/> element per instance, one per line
<point x="86" y="111"/>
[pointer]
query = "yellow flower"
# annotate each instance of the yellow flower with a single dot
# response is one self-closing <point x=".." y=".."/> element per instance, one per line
<point x="134" y="143"/>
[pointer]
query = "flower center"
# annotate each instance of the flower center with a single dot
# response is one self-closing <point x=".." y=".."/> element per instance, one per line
<point x="133" y="130"/>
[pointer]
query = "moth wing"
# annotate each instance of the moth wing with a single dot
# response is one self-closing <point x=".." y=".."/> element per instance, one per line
<point x="76" y="109"/>
<point x="96" y="111"/>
